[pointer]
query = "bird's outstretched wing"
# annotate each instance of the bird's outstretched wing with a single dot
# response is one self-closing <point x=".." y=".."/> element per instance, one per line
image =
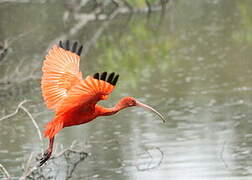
<point x="88" y="92"/>
<point x="62" y="85"/>
<point x="60" y="73"/>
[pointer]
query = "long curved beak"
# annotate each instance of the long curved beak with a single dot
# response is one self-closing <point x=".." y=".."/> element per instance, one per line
<point x="150" y="108"/>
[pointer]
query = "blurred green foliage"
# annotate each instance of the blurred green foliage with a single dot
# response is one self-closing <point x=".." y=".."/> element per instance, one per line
<point x="136" y="53"/>
<point x="140" y="3"/>
<point x="245" y="8"/>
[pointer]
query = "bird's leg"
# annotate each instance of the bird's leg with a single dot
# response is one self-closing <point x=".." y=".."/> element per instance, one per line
<point x="47" y="153"/>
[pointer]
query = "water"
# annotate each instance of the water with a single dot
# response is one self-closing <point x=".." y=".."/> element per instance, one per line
<point x="194" y="66"/>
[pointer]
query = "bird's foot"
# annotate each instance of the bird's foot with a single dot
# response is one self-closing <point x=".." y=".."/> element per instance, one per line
<point x="45" y="157"/>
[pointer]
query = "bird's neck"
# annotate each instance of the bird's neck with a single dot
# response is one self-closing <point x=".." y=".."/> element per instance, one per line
<point x="102" y="111"/>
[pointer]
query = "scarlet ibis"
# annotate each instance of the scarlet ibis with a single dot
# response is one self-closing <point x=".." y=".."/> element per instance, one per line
<point x="73" y="99"/>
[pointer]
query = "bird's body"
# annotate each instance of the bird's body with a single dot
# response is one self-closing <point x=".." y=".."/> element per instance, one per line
<point x="78" y="116"/>
<point x="72" y="98"/>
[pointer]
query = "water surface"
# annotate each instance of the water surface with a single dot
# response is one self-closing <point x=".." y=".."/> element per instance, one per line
<point x="194" y="66"/>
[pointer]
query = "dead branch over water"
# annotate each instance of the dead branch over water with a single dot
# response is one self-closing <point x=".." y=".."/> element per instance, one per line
<point x="154" y="161"/>
<point x="20" y="106"/>
<point x="60" y="166"/>
<point x="121" y="7"/>
<point x="4" y="172"/>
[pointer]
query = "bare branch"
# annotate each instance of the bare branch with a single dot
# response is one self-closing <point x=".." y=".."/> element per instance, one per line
<point x="27" y="167"/>
<point x="84" y="19"/>
<point x="225" y="144"/>
<point x="128" y="5"/>
<point x="222" y="153"/>
<point x="64" y="162"/>
<point x="15" y="112"/>
<point x="115" y="3"/>
<point x="162" y="158"/>
<point x="5" y="171"/>
<point x="149" y="167"/>
<point x="20" y="106"/>
<point x="11" y="40"/>
<point x="71" y="148"/>
<point x="99" y="32"/>
<point x="33" y="121"/>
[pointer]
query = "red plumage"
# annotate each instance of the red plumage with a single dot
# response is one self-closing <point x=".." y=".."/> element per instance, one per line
<point x="72" y="98"/>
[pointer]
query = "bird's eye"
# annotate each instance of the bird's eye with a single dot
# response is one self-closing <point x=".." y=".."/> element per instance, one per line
<point x="132" y="102"/>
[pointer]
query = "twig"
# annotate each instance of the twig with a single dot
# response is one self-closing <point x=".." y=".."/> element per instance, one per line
<point x="224" y="146"/>
<point x="11" y="40"/>
<point x="20" y="106"/>
<point x="149" y="167"/>
<point x="27" y="170"/>
<point x="115" y="3"/>
<point x="152" y="159"/>
<point x="129" y="6"/>
<point x="28" y="173"/>
<point x="33" y="121"/>
<point x="71" y="148"/>
<point x="15" y="112"/>
<point x="5" y="171"/>
<point x="222" y="152"/>
<point x="99" y="32"/>
<point x="162" y="157"/>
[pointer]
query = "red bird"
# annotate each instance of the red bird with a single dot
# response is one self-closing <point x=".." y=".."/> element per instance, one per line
<point x="73" y="99"/>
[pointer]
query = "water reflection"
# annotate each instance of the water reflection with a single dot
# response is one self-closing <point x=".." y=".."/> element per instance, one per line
<point x="198" y="73"/>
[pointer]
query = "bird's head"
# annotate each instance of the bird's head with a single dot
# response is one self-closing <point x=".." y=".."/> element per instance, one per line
<point x="130" y="101"/>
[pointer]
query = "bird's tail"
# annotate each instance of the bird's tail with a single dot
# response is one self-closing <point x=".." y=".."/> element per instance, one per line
<point x="53" y="127"/>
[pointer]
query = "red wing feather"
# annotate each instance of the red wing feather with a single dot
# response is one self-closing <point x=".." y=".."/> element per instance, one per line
<point x="62" y="85"/>
<point x="60" y="74"/>
<point x="85" y="94"/>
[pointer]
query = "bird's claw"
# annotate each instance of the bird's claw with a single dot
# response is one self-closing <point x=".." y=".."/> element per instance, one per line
<point x="45" y="157"/>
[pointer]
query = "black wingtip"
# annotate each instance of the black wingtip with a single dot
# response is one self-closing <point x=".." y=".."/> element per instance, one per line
<point x="74" y="47"/>
<point x="80" y="50"/>
<point x="60" y="44"/>
<point x="67" y="45"/>
<point x="115" y="80"/>
<point x="96" y="76"/>
<point x="103" y="76"/>
<point x="112" y="78"/>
